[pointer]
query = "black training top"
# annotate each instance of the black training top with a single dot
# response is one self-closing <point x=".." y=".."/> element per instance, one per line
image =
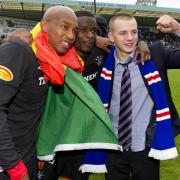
<point x="22" y="95"/>
<point x="93" y="64"/>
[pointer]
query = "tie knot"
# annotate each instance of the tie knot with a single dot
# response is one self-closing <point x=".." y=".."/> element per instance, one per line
<point x="125" y="66"/>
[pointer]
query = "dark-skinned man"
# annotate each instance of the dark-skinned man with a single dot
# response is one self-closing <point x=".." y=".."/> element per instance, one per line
<point x="23" y="91"/>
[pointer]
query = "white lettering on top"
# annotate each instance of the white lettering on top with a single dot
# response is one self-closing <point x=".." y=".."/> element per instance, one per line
<point x="91" y="77"/>
<point x="42" y="81"/>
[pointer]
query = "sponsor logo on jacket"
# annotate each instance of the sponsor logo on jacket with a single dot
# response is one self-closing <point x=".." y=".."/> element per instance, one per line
<point x="91" y="76"/>
<point x="5" y="73"/>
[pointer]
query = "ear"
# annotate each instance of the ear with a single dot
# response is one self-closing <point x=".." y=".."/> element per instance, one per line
<point x="110" y="36"/>
<point x="43" y="25"/>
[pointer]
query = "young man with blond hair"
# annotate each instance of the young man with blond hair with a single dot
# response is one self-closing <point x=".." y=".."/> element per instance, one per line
<point x="132" y="105"/>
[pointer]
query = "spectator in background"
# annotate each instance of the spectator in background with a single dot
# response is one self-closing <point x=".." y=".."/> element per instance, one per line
<point x="168" y="38"/>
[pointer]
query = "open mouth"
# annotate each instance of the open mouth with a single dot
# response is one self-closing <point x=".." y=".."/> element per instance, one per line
<point x="65" y="44"/>
<point x="129" y="45"/>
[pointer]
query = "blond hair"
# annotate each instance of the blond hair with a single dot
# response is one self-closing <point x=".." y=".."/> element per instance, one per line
<point x="119" y="16"/>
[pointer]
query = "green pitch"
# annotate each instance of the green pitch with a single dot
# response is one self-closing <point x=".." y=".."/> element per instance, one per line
<point x="170" y="170"/>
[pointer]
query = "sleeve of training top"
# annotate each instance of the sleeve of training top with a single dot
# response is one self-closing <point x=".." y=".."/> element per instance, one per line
<point x="18" y="171"/>
<point x="13" y="65"/>
<point x="171" y="57"/>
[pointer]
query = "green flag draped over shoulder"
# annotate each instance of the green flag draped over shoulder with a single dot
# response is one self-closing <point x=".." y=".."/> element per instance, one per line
<point x="74" y="118"/>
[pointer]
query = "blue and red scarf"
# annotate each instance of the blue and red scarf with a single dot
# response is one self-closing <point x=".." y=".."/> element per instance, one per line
<point x="163" y="145"/>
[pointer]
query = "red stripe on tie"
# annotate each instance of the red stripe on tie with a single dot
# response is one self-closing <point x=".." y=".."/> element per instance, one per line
<point x="153" y="77"/>
<point x="163" y="114"/>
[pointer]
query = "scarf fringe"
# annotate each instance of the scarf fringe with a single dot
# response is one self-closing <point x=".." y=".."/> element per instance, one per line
<point x="89" y="168"/>
<point x="163" y="154"/>
<point x="82" y="146"/>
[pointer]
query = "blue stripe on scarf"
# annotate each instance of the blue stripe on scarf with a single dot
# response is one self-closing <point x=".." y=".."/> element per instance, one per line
<point x="163" y="138"/>
<point x="95" y="154"/>
<point x="163" y="135"/>
<point x="105" y="84"/>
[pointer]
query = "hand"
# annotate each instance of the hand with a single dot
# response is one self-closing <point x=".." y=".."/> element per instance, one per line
<point x="19" y="34"/>
<point x="143" y="50"/>
<point x="167" y="24"/>
<point x="103" y="43"/>
<point x="26" y="177"/>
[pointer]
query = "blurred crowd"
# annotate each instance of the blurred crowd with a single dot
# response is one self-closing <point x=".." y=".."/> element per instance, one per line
<point x="168" y="39"/>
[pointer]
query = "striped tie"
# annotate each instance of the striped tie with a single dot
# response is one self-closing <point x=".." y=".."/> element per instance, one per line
<point x="125" y="113"/>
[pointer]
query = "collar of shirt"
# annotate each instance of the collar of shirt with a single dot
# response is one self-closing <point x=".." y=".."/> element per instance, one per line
<point x="129" y="59"/>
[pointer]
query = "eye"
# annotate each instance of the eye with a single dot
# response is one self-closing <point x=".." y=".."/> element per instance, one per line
<point x="75" y="30"/>
<point x="83" y="30"/>
<point x="65" y="27"/>
<point x="135" y="32"/>
<point x="94" y="30"/>
<point x="122" y="33"/>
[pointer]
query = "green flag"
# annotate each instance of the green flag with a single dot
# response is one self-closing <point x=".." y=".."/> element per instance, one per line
<point x="74" y="119"/>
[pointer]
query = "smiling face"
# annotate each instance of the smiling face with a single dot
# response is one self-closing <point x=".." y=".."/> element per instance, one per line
<point x="86" y="35"/>
<point x="61" y="29"/>
<point x="124" y="34"/>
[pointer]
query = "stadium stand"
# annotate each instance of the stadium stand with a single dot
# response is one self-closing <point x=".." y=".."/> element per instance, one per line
<point x="25" y="14"/>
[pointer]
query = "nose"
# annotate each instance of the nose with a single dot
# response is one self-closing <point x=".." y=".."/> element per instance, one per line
<point x="90" y="33"/>
<point x="129" y="36"/>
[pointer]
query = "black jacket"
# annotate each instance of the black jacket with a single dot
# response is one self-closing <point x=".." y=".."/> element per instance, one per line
<point x="93" y="64"/>
<point x="21" y="103"/>
<point x="165" y="59"/>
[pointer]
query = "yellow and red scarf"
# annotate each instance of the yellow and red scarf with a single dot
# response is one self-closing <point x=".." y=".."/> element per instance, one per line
<point x="53" y="65"/>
